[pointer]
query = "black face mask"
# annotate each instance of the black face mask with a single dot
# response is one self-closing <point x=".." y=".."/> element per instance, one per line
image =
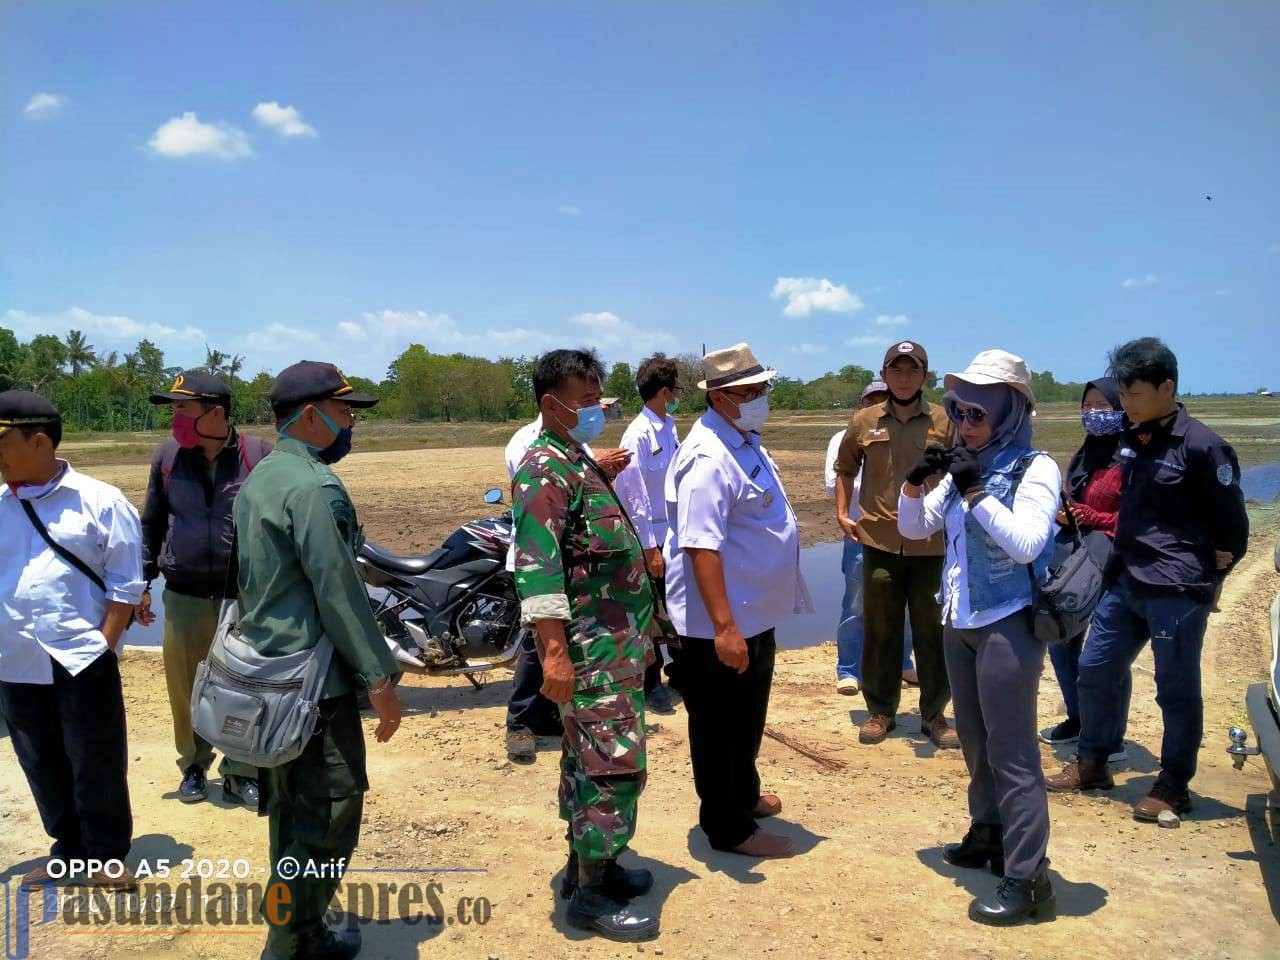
<point x="907" y="402"/>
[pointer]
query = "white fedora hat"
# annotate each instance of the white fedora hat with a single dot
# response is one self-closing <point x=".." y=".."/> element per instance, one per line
<point x="732" y="367"/>
<point x="996" y="366"/>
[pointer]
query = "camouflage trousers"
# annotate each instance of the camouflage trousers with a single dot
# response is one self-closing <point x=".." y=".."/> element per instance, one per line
<point x="602" y="766"/>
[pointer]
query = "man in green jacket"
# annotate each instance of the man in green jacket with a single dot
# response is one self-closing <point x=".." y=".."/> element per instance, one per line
<point x="298" y="537"/>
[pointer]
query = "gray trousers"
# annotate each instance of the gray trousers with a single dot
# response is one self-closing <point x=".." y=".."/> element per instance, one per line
<point x="995" y="672"/>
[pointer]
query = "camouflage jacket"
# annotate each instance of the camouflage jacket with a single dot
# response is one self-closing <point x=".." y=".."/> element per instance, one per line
<point x="578" y="560"/>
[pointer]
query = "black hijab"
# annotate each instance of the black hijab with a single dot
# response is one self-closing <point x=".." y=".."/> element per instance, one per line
<point x="1096" y="453"/>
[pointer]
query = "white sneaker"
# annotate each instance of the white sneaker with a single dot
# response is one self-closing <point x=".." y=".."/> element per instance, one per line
<point x="848" y="686"/>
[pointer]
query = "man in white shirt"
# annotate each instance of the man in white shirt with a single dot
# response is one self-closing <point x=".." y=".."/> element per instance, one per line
<point x="849" y="632"/>
<point x="69" y="579"/>
<point x="733" y="574"/>
<point x="529" y="713"/>
<point x="651" y="439"/>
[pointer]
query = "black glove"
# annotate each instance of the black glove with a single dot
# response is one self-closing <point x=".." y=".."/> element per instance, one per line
<point x="934" y="460"/>
<point x="965" y="471"/>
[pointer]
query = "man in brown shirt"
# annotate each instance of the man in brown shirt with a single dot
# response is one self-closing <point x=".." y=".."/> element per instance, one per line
<point x="901" y="576"/>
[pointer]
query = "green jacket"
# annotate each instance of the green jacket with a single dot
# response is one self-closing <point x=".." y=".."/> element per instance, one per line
<point x="298" y="538"/>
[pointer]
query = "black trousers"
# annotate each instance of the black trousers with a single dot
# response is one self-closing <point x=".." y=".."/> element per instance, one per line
<point x="528" y="709"/>
<point x="727" y="712"/>
<point x="894" y="587"/>
<point x="71" y="743"/>
<point x="314" y="804"/>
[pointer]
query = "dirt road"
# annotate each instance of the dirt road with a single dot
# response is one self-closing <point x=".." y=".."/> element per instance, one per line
<point x="868" y="881"/>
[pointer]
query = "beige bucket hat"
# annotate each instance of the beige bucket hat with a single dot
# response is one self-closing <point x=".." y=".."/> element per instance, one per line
<point x="996" y="366"/>
<point x="733" y="366"/>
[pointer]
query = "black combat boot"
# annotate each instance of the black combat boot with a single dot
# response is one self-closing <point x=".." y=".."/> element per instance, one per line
<point x="621" y="883"/>
<point x="316" y="941"/>
<point x="1015" y="900"/>
<point x="983" y="844"/>
<point x="592" y="908"/>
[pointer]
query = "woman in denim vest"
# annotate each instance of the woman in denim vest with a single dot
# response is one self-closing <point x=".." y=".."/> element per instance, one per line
<point x="997" y="503"/>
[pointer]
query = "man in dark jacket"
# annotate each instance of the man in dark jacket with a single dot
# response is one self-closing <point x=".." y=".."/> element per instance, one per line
<point x="1182" y="527"/>
<point x="187" y="534"/>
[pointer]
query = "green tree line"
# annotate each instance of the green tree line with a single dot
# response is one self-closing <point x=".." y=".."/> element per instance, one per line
<point x="101" y="390"/>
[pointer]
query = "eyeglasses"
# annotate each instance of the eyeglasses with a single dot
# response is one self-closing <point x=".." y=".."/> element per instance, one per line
<point x="974" y="415"/>
<point x="751" y="393"/>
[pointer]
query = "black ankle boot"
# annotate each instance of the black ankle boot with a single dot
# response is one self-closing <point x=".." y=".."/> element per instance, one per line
<point x="983" y="844"/>
<point x="592" y="908"/>
<point x="1015" y="900"/>
<point x="621" y="883"/>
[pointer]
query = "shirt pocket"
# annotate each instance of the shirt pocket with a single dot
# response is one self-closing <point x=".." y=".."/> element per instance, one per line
<point x="1168" y="474"/>
<point x="659" y="457"/>
<point x="607" y="532"/>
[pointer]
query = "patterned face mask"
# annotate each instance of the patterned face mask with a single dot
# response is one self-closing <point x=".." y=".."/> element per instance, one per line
<point x="1102" y="423"/>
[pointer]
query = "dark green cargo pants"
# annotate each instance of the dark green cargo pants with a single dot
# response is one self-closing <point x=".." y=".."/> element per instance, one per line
<point x="314" y="804"/>
<point x="894" y="587"/>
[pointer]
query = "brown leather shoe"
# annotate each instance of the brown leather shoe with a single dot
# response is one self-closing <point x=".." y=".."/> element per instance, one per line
<point x="1161" y="798"/>
<point x="768" y="806"/>
<point x="35" y="877"/>
<point x="121" y="882"/>
<point x="875" y="728"/>
<point x="1082" y="773"/>
<point x="940" y="732"/>
<point x="762" y="843"/>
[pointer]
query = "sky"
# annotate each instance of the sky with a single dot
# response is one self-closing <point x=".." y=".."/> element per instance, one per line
<point x="335" y="181"/>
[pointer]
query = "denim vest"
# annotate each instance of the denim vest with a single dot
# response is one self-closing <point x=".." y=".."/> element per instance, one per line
<point x="996" y="579"/>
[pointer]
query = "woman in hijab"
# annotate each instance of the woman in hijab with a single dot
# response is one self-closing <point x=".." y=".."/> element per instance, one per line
<point x="1093" y="497"/>
<point x="997" y="504"/>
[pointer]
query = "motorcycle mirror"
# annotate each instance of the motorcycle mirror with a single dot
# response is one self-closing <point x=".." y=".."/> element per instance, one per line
<point x="493" y="496"/>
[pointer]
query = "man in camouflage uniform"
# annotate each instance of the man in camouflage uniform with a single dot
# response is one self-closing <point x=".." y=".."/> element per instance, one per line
<point x="582" y="584"/>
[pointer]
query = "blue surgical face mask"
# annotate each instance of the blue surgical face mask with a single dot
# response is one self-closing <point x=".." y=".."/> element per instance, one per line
<point x="335" y="451"/>
<point x="590" y="421"/>
<point x="1102" y="423"/>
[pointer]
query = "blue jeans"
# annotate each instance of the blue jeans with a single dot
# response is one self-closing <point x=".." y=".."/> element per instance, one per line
<point x="849" y="632"/>
<point x="1065" y="658"/>
<point x="1128" y="615"/>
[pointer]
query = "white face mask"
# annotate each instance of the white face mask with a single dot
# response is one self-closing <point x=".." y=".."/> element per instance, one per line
<point x="753" y="414"/>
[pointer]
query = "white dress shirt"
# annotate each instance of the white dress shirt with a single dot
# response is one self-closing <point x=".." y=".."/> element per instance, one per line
<point x="724" y="494"/>
<point x="641" y="487"/>
<point x="829" y="477"/>
<point x="1021" y="532"/>
<point x="48" y="608"/>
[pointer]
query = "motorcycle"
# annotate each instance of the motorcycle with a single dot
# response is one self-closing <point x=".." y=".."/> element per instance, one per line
<point x="454" y="611"/>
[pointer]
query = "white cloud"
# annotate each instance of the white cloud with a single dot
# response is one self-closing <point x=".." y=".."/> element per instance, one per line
<point x="351" y="329"/>
<point x="1222" y="291"/>
<point x="43" y="104"/>
<point x="104" y="331"/>
<point x="808" y="349"/>
<point x="869" y="340"/>
<point x="386" y="333"/>
<point x="277" y="337"/>
<point x="286" y="121"/>
<point x="896" y="320"/>
<point x="186" y="136"/>
<point x="1274" y="248"/>
<point x="807" y="294"/>
<point x="614" y="336"/>
<point x="569" y="211"/>
<point x="1149" y="280"/>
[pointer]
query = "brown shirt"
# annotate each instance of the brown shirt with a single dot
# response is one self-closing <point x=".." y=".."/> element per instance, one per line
<point x="884" y="449"/>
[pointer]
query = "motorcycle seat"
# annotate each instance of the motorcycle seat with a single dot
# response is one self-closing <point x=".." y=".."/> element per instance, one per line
<point x="384" y="559"/>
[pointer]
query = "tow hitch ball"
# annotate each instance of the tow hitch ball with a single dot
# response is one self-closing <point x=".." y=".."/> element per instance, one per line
<point x="1239" y="752"/>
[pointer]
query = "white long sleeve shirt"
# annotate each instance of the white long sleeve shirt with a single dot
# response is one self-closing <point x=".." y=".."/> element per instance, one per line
<point x="652" y="441"/>
<point x="516" y="448"/>
<point x="1021" y="532"/>
<point x="829" y="478"/>
<point x="48" y="608"/>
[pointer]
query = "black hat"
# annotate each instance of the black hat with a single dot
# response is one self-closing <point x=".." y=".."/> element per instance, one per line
<point x="22" y="408"/>
<point x="195" y="385"/>
<point x="308" y="381"/>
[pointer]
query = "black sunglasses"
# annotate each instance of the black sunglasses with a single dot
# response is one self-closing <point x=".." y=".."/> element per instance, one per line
<point x="974" y="415"/>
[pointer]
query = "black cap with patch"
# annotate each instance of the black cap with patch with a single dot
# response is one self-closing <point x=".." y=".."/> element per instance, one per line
<point x="195" y="385"/>
<point x="22" y="408"/>
<point x="309" y="381"/>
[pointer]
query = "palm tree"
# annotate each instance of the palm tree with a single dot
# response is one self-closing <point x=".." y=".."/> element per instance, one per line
<point x="79" y="352"/>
